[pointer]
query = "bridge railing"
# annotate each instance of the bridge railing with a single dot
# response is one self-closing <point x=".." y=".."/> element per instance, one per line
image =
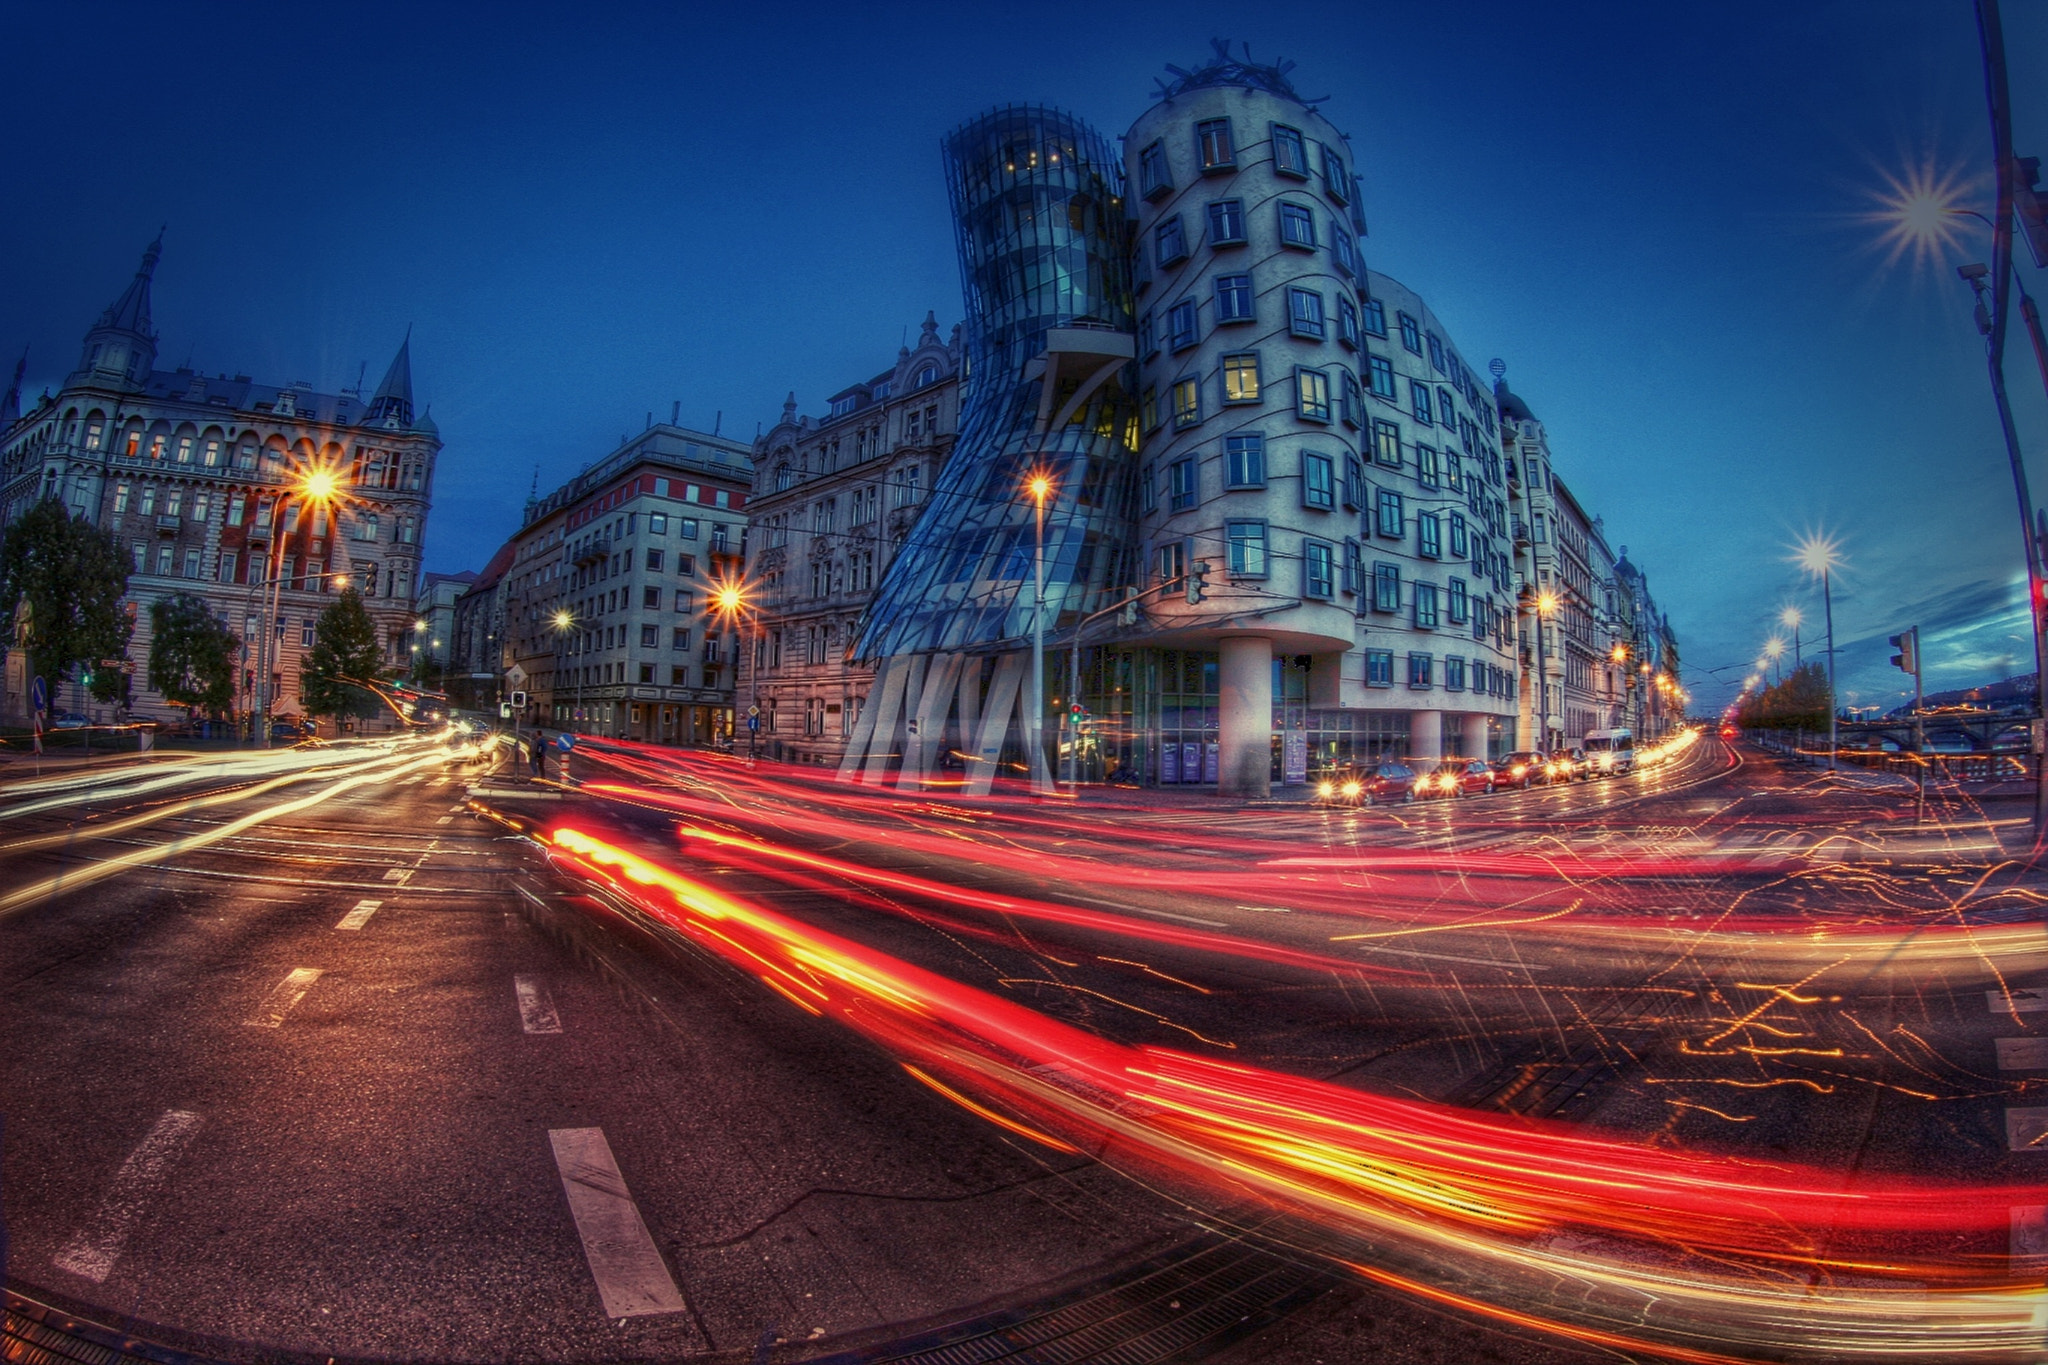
<point x="1810" y="749"/>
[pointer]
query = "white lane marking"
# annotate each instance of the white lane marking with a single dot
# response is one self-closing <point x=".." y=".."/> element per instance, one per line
<point x="91" y="1252"/>
<point x="414" y="780"/>
<point x="2029" y="1233"/>
<point x="2022" y="1054"/>
<point x="360" y="915"/>
<point x="282" y="997"/>
<point x="401" y="875"/>
<point x="2020" y="999"/>
<point x="2026" y="1130"/>
<point x="1267" y="909"/>
<point x="536" y="1006"/>
<point x="632" y="1279"/>
<point x="445" y="819"/>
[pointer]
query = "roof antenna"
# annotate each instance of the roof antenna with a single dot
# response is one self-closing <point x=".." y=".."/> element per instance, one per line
<point x="715" y="421"/>
<point x="362" y="369"/>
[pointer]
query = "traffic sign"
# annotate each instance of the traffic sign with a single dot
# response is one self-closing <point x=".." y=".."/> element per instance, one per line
<point x="753" y="710"/>
<point x="39" y="696"/>
<point x="565" y="741"/>
<point x="753" y="722"/>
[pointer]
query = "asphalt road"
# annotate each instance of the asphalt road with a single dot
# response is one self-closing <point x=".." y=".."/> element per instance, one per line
<point x="368" y="1075"/>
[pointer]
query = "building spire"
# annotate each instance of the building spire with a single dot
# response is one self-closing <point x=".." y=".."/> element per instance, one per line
<point x="130" y="312"/>
<point x="392" y="404"/>
<point x="10" y="404"/>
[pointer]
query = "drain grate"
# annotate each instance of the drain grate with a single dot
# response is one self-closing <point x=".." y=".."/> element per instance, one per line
<point x="1181" y="1305"/>
<point x="33" y="1333"/>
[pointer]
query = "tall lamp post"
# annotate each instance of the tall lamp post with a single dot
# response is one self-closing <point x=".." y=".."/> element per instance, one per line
<point x="1039" y="486"/>
<point x="730" y="603"/>
<point x="317" y="490"/>
<point x="1546" y="607"/>
<point x="1790" y="618"/>
<point x="564" y="621"/>
<point x="1819" y="555"/>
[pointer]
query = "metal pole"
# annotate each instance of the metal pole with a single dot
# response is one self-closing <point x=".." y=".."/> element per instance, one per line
<point x="1827" y="598"/>
<point x="1919" y="730"/>
<point x="272" y="656"/>
<point x="1036" y="730"/>
<point x="1073" y="722"/>
<point x="1542" y="687"/>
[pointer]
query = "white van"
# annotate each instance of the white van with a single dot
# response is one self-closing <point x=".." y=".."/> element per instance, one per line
<point x="1612" y="752"/>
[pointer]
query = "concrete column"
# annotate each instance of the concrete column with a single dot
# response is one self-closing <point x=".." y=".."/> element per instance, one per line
<point x="1425" y="734"/>
<point x="1475" y="737"/>
<point x="1245" y="738"/>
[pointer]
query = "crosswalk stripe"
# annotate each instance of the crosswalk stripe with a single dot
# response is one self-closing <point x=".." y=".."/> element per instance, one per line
<point x="284" y="995"/>
<point x="360" y="915"/>
<point x="92" y="1251"/>
<point x="632" y="1279"/>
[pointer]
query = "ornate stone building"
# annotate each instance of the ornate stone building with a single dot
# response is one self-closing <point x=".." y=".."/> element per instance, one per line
<point x="186" y="469"/>
<point x="835" y="497"/>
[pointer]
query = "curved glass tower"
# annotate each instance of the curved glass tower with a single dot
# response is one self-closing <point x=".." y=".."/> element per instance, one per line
<point x="1038" y="203"/>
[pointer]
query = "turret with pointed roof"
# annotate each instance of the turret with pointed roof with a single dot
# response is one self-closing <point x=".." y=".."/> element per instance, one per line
<point x="391" y="406"/>
<point x="121" y="347"/>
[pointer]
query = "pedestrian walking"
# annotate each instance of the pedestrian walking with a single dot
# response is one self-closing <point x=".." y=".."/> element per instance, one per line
<point x="540" y="758"/>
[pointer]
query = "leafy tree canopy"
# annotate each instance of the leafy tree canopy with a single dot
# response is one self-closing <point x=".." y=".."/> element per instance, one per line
<point x="344" y="648"/>
<point x="1802" y="702"/>
<point x="61" y="580"/>
<point x="191" y="653"/>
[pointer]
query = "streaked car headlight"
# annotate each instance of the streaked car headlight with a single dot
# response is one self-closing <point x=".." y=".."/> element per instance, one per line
<point x="1352" y="789"/>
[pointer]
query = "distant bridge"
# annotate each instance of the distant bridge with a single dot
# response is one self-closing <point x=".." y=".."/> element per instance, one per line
<point x="1979" y="732"/>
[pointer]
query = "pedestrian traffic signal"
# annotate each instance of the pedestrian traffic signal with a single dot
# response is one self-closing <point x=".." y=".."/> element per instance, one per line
<point x="1198" y="581"/>
<point x="1907" y="642"/>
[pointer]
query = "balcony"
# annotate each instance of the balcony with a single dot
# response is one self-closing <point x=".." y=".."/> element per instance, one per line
<point x="598" y="549"/>
<point x="168" y="525"/>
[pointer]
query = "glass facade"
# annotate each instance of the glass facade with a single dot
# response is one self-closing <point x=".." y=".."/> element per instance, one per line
<point x="1044" y="242"/>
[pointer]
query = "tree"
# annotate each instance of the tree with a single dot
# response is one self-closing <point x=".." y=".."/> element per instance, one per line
<point x="191" y="653"/>
<point x="67" y="577"/>
<point x="1800" y="702"/>
<point x="343" y="657"/>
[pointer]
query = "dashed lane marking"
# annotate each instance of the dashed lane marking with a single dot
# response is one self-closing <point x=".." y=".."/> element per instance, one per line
<point x="445" y="819"/>
<point x="93" y="1250"/>
<point x="2022" y="1054"/>
<point x="632" y="1279"/>
<point x="2026" y="1130"/>
<point x="401" y="875"/>
<point x="2029" y="1244"/>
<point x="2018" y="1000"/>
<point x="536" y="1006"/>
<point x="284" y="995"/>
<point x="360" y="915"/>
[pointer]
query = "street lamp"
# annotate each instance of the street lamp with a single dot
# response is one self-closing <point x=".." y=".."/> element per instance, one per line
<point x="1774" y="650"/>
<point x="316" y="488"/>
<point x="1818" y="554"/>
<point x="1039" y="486"/>
<point x="564" y="621"/>
<point x="729" y="601"/>
<point x="1546" y="607"/>
<point x="1790" y="618"/>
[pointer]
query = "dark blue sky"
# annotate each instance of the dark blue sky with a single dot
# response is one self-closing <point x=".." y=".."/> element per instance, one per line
<point x="1659" y="217"/>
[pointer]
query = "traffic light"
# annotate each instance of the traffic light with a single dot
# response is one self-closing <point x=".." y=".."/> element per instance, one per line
<point x="2030" y="202"/>
<point x="1198" y="581"/>
<point x="1907" y="642"/>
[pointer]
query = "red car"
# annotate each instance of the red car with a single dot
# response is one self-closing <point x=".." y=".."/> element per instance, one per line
<point x="1522" y="770"/>
<point x="1462" y="777"/>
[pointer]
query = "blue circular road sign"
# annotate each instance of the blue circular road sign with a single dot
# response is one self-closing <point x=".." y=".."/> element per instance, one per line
<point x="565" y="741"/>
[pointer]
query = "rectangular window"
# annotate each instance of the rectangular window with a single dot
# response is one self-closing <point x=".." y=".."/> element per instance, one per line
<point x="1187" y="402"/>
<point x="1418" y="396"/>
<point x="1345" y="254"/>
<point x="1379" y="376"/>
<point x="1460" y="602"/>
<point x="163" y="560"/>
<point x="1247" y="547"/>
<point x="1354" y="567"/>
<point x="1454" y="673"/>
<point x="1411" y="333"/>
<point x="1335" y="179"/>
<point x="1347" y="322"/>
<point x="1305" y="313"/>
<point x="1379" y="668"/>
<point x="647" y="673"/>
<point x="686" y="527"/>
<point x="227" y="566"/>
<point x="1351" y="406"/>
<point x="1425" y="606"/>
<point x="1392" y="518"/>
<point x="191" y="563"/>
<point x="1354" y="484"/>
<point x="1173" y="561"/>
<point x="1427" y="472"/>
<point x="1290" y="152"/>
<point x="1169" y="243"/>
<point x="650" y="598"/>
<point x="120" y="498"/>
<point x="1436" y="353"/>
<point x="678" y="675"/>
<point x="1375" y="317"/>
<point x="1386" y="444"/>
<point x="1241" y="378"/>
<point x="1244" y="460"/>
<point x="1148" y="489"/>
<point x="1226" y="222"/>
<point x="647" y="637"/>
<point x="1418" y="670"/>
<point x="1234" y="298"/>
<point x="141" y="557"/>
<point x="1180" y="325"/>
<point x="654" y="559"/>
<point x="1454" y="470"/>
<point x="1148" y="408"/>
<point x="1460" y="538"/>
<point x="686" y="565"/>
<point x="1312" y="395"/>
<point x="1318" y="481"/>
<point x="1318" y="569"/>
<point x="657" y="522"/>
<point x="1213" y="145"/>
<point x="1153" y="177"/>
<point x="684" y="601"/>
<point x="1297" y="226"/>
<point x="1147" y="347"/>
<point x="1446" y="411"/>
<point x="1180" y="485"/>
<point x="236" y="504"/>
<point x="1429" y="535"/>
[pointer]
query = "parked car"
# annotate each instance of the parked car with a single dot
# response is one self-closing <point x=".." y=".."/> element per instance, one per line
<point x="1463" y="777"/>
<point x="1523" y="769"/>
<point x="1366" y="783"/>
<point x="1571" y="765"/>
<point x="69" y="720"/>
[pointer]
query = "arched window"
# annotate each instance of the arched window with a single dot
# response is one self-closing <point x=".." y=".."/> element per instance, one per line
<point x="784" y="476"/>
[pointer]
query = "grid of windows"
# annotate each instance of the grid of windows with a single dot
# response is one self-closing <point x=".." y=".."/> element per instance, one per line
<point x="1312" y="395"/>
<point x="1233" y="298"/>
<point x="1318" y="481"/>
<point x="1246" y="542"/>
<point x="1226" y="222"/>
<point x="1244" y="460"/>
<point x="1241" y="378"/>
